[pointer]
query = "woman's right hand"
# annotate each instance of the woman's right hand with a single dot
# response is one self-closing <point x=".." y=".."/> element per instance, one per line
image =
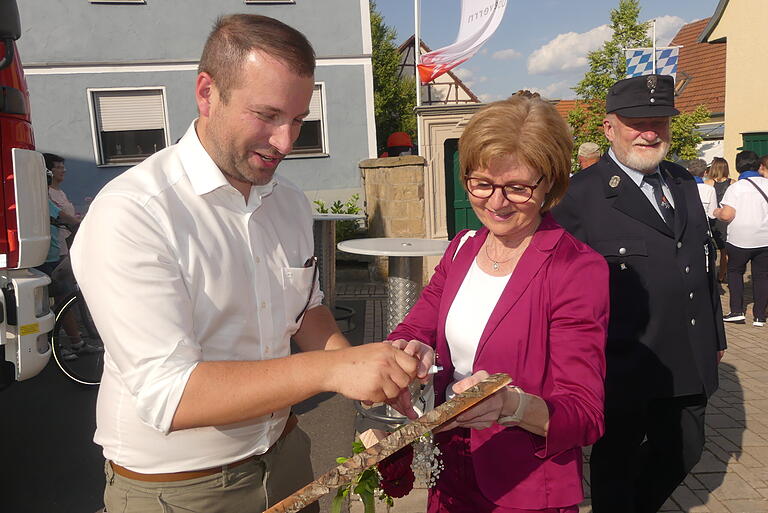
<point x="485" y="413"/>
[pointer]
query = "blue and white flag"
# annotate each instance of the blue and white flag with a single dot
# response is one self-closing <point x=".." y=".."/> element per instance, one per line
<point x="639" y="61"/>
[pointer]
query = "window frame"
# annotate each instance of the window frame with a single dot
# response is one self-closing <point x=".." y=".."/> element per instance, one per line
<point x="247" y="2"/>
<point x="325" y="150"/>
<point x="98" y="152"/>
<point x="118" y="1"/>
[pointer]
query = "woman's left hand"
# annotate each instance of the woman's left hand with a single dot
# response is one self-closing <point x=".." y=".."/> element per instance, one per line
<point x="482" y="415"/>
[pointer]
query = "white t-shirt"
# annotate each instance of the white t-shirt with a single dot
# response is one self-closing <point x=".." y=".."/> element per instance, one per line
<point x="749" y="229"/>
<point x="467" y="317"/>
<point x="708" y="199"/>
<point x="177" y="268"/>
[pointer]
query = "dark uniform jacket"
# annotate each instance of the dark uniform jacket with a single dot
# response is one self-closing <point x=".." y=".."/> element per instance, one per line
<point x="666" y="320"/>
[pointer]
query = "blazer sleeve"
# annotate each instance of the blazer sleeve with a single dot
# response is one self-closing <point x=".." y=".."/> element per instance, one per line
<point x="577" y="335"/>
<point x="422" y="321"/>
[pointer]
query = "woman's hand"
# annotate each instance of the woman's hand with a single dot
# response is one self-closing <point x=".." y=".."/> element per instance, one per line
<point x="485" y="413"/>
<point x="420" y="351"/>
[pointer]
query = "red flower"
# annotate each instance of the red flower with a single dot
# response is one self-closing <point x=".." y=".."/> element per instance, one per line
<point x="397" y="478"/>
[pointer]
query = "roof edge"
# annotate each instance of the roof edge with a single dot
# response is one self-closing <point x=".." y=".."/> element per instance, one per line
<point x="713" y="21"/>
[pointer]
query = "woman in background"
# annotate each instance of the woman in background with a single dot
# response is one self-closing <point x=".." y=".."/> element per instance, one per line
<point x="718" y="177"/>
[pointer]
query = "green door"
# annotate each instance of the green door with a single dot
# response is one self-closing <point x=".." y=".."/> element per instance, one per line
<point x="755" y="141"/>
<point x="459" y="212"/>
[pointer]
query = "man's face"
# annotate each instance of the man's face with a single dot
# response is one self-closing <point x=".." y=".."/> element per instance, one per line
<point x="639" y="143"/>
<point x="249" y="135"/>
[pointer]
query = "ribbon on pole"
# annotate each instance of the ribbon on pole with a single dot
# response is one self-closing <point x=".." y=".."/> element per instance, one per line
<point x="479" y="20"/>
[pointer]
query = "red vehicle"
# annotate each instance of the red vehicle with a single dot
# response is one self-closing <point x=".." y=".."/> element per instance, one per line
<point x="25" y="316"/>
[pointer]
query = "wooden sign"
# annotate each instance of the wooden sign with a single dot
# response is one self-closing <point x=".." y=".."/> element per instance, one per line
<point x="409" y="433"/>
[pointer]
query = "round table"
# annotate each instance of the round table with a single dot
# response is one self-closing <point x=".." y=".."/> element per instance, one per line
<point x="402" y="289"/>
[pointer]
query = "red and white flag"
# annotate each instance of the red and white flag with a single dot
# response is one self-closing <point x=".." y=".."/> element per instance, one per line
<point x="479" y="20"/>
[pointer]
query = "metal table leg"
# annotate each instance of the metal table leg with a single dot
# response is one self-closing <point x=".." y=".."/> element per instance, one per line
<point x="325" y="249"/>
<point x="403" y="290"/>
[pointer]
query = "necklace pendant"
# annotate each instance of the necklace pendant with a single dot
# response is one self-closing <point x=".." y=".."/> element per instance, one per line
<point x="495" y="266"/>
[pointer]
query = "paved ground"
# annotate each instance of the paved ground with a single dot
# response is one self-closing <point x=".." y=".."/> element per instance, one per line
<point x="732" y="476"/>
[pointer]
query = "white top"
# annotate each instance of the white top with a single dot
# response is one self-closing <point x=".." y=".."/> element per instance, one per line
<point x="708" y="199"/>
<point x="60" y="198"/>
<point x="749" y="229"/>
<point x="178" y="269"/>
<point x="390" y="246"/>
<point x="467" y="317"/>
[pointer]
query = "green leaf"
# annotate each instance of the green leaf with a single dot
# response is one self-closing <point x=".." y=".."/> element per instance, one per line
<point x="341" y="459"/>
<point x="368" y="502"/>
<point x="338" y="500"/>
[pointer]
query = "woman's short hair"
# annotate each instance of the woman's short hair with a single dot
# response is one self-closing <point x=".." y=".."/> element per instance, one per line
<point x="235" y="36"/>
<point x="51" y="159"/>
<point x="528" y="128"/>
<point x="718" y="169"/>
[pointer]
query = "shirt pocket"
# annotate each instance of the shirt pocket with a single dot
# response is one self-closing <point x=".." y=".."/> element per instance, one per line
<point x="298" y="285"/>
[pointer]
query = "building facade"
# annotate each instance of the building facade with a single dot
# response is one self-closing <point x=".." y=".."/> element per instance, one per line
<point x="111" y="82"/>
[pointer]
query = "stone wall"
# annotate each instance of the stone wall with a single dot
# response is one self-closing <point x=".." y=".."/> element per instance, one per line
<point x="394" y="201"/>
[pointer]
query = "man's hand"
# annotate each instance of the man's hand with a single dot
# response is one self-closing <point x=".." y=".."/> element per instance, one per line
<point x="720" y="355"/>
<point x="375" y="372"/>
<point x="420" y="351"/>
<point x="485" y="413"/>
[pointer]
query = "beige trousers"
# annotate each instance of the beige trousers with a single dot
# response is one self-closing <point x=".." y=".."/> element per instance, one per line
<point x="248" y="488"/>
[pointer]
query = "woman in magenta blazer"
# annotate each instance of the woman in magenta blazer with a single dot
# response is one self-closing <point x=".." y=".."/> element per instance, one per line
<point x="520" y="296"/>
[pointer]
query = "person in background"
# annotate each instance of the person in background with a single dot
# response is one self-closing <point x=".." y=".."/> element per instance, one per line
<point x="745" y="209"/>
<point x="519" y="296"/>
<point x="707" y="194"/>
<point x="588" y="154"/>
<point x="718" y="177"/>
<point x="55" y="164"/>
<point x="666" y="335"/>
<point x="198" y="269"/>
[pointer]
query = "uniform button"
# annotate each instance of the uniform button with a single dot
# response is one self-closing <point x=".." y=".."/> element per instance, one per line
<point x="653" y="91"/>
<point x="690" y="296"/>
<point x="653" y="100"/>
<point x="679" y="245"/>
<point x="693" y="322"/>
<point x="622" y="251"/>
<point x="687" y="269"/>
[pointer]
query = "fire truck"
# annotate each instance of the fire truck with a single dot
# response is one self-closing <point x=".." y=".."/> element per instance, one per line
<point x="25" y="315"/>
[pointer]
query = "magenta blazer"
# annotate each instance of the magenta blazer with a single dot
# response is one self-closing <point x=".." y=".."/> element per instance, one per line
<point x="548" y="332"/>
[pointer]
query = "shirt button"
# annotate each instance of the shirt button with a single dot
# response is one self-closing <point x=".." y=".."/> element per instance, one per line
<point x="693" y="322"/>
<point x="263" y="305"/>
<point x="622" y="251"/>
<point x="690" y="296"/>
<point x="687" y="269"/>
<point x="257" y="260"/>
<point x="679" y="245"/>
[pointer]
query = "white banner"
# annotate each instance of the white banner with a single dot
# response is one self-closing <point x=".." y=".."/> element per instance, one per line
<point x="479" y="20"/>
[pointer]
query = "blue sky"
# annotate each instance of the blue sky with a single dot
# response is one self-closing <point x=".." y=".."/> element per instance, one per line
<point x="540" y="45"/>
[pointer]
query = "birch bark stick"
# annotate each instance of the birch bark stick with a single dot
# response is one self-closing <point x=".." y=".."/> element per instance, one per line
<point x="346" y="472"/>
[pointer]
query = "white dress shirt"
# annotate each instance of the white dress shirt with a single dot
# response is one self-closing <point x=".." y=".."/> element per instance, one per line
<point x="708" y="198"/>
<point x="177" y="268"/>
<point x="645" y="187"/>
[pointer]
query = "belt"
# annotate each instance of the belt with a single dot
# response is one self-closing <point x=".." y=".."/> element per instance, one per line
<point x="193" y="474"/>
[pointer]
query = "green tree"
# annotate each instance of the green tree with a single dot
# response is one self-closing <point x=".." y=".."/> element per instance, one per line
<point x="394" y="98"/>
<point x="607" y="65"/>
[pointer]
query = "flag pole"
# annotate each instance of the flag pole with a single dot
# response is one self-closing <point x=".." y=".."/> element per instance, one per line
<point x="653" y="57"/>
<point x="416" y="52"/>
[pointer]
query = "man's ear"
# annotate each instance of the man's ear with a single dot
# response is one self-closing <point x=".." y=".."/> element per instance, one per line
<point x="608" y="128"/>
<point x="204" y="93"/>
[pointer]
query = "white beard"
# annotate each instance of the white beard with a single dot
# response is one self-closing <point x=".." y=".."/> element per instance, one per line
<point x="645" y="161"/>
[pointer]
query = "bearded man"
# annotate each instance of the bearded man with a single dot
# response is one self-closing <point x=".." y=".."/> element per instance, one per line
<point x="665" y="336"/>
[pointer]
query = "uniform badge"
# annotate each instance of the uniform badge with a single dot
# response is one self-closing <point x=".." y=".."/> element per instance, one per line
<point x="614" y="181"/>
<point x="651" y="82"/>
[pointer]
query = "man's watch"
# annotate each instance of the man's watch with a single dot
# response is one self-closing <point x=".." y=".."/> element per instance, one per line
<point x="522" y="404"/>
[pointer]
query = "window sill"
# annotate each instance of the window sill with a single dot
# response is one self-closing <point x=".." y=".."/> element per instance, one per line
<point x="308" y="156"/>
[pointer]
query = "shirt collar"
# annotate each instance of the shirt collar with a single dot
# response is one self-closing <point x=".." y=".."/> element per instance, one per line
<point x="636" y="176"/>
<point x="203" y="173"/>
<point x="748" y="174"/>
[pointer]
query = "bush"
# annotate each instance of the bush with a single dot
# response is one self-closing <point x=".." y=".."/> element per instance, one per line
<point x="345" y="230"/>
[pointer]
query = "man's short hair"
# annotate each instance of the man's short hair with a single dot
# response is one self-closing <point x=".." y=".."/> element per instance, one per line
<point x="589" y="150"/>
<point x="236" y="36"/>
<point x="747" y="160"/>
<point x="697" y="167"/>
<point x="764" y="161"/>
<point x="51" y="159"/>
<point x="528" y="128"/>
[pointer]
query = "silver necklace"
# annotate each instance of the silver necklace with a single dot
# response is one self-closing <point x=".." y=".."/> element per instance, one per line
<point x="497" y="264"/>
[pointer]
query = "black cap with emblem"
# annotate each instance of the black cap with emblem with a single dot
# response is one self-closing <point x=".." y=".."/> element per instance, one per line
<point x="647" y="96"/>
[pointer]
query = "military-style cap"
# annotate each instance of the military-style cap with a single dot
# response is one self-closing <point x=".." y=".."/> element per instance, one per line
<point x="647" y="96"/>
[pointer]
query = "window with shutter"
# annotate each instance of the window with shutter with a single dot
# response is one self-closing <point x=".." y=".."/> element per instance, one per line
<point x="312" y="136"/>
<point x="129" y="125"/>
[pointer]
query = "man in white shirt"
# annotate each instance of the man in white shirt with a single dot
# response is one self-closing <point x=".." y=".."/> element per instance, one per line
<point x="707" y="193"/>
<point x="197" y="266"/>
<point x="745" y="209"/>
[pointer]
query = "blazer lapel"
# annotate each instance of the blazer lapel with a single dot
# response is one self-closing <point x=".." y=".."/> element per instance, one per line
<point x="629" y="199"/>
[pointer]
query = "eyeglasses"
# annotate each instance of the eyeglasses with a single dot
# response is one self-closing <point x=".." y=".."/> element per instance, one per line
<point x="513" y="192"/>
<point x="313" y="262"/>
